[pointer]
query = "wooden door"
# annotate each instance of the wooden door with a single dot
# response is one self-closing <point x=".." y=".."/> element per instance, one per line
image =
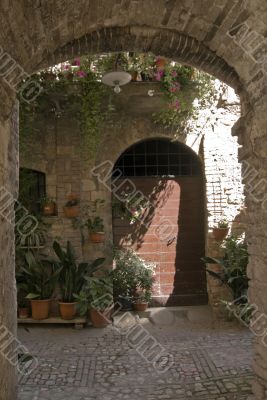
<point x="171" y="236"/>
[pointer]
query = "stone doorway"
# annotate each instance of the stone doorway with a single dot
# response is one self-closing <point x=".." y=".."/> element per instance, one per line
<point x="170" y="231"/>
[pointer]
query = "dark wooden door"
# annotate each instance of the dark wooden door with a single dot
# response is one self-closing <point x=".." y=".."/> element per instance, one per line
<point x="171" y="236"/>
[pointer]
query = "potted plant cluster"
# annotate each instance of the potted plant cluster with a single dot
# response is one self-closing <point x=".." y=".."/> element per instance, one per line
<point x="221" y="230"/>
<point x="40" y="278"/>
<point x="96" y="228"/>
<point x="48" y="206"/>
<point x="132" y="279"/>
<point x="96" y="299"/>
<point x="71" y="208"/>
<point x="71" y="277"/>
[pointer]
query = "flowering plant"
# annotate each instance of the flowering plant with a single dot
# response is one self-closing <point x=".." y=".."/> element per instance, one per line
<point x="129" y="208"/>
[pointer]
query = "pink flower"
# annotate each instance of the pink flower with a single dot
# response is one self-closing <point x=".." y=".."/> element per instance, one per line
<point x="81" y="74"/>
<point x="173" y="89"/>
<point x="159" y="75"/>
<point x="77" y="62"/>
<point x="174" y="74"/>
<point x="175" y="105"/>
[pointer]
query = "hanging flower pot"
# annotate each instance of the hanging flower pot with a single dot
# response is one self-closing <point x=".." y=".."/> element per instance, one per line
<point x="96" y="229"/>
<point x="221" y="230"/>
<point x="71" y="209"/>
<point x="220" y="234"/>
<point x="71" y="212"/>
<point x="97" y="237"/>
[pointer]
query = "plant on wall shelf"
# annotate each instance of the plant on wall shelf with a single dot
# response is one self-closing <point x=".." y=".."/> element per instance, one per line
<point x="91" y="221"/>
<point x="221" y="230"/>
<point x="71" y="208"/>
<point x="48" y="206"/>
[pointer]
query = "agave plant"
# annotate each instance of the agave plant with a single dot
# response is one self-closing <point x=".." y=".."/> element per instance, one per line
<point x="37" y="277"/>
<point x="72" y="275"/>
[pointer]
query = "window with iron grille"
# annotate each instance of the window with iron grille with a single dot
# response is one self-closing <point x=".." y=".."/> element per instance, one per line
<point x="32" y="188"/>
<point x="157" y="157"/>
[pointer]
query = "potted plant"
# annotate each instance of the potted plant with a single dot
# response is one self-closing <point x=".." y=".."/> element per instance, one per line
<point x="142" y="300"/>
<point x="48" y="206"/>
<point x="221" y="230"/>
<point x="71" y="208"/>
<point x="71" y="278"/>
<point x="41" y="278"/>
<point x="35" y="238"/>
<point x="95" y="227"/>
<point x="131" y="277"/>
<point x="96" y="298"/>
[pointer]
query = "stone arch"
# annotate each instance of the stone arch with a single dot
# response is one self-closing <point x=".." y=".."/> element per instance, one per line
<point x="55" y="27"/>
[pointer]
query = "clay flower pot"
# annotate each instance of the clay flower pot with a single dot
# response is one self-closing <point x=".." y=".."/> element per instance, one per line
<point x="49" y="209"/>
<point x="220" y="233"/>
<point x="160" y="62"/>
<point x="99" y="319"/>
<point x="140" y="306"/>
<point x="67" y="310"/>
<point x="40" y="309"/>
<point x="71" y="212"/>
<point x="23" y="312"/>
<point x="97" y="237"/>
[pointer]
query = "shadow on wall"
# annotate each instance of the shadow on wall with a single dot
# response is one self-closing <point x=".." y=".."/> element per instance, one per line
<point x="171" y="235"/>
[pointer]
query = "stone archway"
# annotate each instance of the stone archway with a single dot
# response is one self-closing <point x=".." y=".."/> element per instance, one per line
<point x="227" y="42"/>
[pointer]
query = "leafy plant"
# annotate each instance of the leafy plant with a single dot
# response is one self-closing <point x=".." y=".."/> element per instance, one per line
<point x="95" y="224"/>
<point x="37" y="278"/>
<point x="234" y="265"/>
<point x="72" y="275"/>
<point x="46" y="200"/>
<point x="97" y="293"/>
<point x="131" y="274"/>
<point x="35" y="238"/>
<point x="223" y="224"/>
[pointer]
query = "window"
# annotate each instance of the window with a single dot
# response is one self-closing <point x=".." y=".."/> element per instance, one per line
<point x="31" y="188"/>
<point x="157" y="157"/>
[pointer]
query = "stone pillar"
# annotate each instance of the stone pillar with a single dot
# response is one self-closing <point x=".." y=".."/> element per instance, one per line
<point x="8" y="190"/>
<point x="255" y="179"/>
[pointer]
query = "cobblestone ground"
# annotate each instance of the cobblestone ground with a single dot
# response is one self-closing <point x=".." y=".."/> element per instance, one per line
<point x="91" y="364"/>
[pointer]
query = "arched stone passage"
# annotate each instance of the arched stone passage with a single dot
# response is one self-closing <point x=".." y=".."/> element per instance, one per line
<point x="36" y="34"/>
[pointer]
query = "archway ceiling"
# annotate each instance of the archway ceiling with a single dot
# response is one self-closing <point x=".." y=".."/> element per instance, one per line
<point x="39" y="33"/>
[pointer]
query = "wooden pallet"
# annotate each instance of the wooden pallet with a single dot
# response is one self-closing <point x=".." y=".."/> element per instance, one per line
<point x="78" y="322"/>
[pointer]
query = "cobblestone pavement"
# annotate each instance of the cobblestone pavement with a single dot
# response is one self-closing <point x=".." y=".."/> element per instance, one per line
<point x="209" y="363"/>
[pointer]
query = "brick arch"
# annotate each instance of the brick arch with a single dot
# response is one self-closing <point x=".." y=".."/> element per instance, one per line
<point x="160" y="41"/>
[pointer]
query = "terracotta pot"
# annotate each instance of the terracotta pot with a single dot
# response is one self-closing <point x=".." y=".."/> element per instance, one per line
<point x="140" y="306"/>
<point x="40" y="309"/>
<point x="220" y="233"/>
<point x="160" y="63"/>
<point x="97" y="237"/>
<point x="134" y="76"/>
<point x="71" y="212"/>
<point x="67" y="310"/>
<point x="49" y="209"/>
<point x="23" y="312"/>
<point x="99" y="320"/>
